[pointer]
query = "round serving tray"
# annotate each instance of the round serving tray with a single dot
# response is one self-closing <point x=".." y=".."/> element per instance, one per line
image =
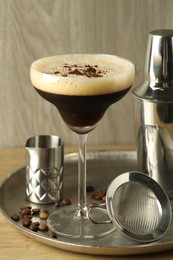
<point x="102" y="167"/>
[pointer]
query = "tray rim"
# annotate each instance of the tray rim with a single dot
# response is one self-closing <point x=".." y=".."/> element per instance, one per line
<point x="78" y="248"/>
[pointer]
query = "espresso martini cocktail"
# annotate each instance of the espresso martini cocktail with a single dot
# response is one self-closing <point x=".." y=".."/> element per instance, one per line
<point x="82" y="87"/>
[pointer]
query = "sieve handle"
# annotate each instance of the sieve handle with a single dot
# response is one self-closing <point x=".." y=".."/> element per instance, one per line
<point x="101" y="207"/>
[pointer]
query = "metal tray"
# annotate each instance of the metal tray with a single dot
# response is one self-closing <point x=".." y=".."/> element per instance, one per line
<point x="103" y="167"/>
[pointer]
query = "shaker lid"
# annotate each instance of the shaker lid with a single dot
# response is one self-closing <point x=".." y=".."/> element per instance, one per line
<point x="138" y="206"/>
<point x="158" y="84"/>
<point x="162" y="92"/>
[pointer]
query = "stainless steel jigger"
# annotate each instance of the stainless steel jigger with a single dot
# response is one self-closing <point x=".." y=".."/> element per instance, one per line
<point x="44" y="171"/>
<point x="154" y="111"/>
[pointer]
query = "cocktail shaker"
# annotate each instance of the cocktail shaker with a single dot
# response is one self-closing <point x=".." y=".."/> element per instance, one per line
<point x="154" y="111"/>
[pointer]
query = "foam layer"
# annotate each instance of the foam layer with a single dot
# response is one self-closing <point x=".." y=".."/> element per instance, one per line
<point x="110" y="74"/>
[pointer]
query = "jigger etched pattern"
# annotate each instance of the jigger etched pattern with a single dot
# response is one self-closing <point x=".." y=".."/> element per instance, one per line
<point x="44" y="185"/>
<point x="44" y="170"/>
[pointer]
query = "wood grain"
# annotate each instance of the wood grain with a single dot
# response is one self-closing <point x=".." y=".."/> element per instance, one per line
<point x="33" y="29"/>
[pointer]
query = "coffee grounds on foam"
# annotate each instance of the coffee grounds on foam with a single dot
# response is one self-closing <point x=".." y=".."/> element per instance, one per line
<point x="86" y="70"/>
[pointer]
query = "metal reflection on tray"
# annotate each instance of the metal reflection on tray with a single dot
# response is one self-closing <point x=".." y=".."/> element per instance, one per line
<point x="108" y="165"/>
<point x="137" y="206"/>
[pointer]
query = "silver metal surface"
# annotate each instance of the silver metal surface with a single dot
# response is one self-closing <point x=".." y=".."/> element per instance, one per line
<point x="154" y="111"/>
<point x="138" y="206"/>
<point x="155" y="153"/>
<point x="158" y="85"/>
<point x="44" y="172"/>
<point x="103" y="163"/>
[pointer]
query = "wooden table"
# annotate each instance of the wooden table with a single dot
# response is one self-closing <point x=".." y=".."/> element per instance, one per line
<point x="15" y="245"/>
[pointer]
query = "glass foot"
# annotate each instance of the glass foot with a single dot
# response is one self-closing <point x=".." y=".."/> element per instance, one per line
<point x="64" y="222"/>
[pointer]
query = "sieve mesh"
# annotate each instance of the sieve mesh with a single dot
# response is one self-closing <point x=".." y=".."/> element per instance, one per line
<point x="137" y="208"/>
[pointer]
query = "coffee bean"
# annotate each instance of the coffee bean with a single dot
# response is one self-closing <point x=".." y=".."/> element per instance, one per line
<point x="27" y="216"/>
<point x="36" y="223"/>
<point x="15" y="217"/>
<point x="27" y="222"/>
<point x="58" y="203"/>
<point x="43" y="214"/>
<point x="98" y="195"/>
<point x="26" y="207"/>
<point x="66" y="201"/>
<point x="92" y="193"/>
<point x="35" y="211"/>
<point x="43" y="227"/>
<point x="26" y="211"/>
<point x="33" y="227"/>
<point x="44" y="210"/>
<point x="51" y="234"/>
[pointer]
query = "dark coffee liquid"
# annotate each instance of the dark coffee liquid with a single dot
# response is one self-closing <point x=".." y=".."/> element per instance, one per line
<point x="82" y="111"/>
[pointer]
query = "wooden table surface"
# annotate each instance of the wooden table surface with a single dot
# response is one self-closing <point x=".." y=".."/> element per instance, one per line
<point x="15" y="245"/>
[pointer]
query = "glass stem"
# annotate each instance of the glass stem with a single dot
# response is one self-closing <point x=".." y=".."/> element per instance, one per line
<point x="82" y="207"/>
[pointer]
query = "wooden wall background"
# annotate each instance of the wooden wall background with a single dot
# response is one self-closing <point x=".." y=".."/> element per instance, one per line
<point x="31" y="29"/>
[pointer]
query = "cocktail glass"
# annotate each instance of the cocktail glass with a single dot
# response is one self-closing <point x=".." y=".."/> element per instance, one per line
<point x="82" y="87"/>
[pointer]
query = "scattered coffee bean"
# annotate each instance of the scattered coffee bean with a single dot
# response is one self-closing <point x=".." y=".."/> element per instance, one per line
<point x="98" y="195"/>
<point x="92" y="193"/>
<point x="44" y="210"/>
<point x="58" y="203"/>
<point x="43" y="227"/>
<point x="27" y="222"/>
<point x="15" y="217"/>
<point x="33" y="227"/>
<point x="43" y="214"/>
<point x="26" y="211"/>
<point x="51" y="234"/>
<point x="66" y="201"/>
<point x="26" y="207"/>
<point x="63" y="202"/>
<point x="35" y="211"/>
<point x="27" y="216"/>
<point x="36" y="223"/>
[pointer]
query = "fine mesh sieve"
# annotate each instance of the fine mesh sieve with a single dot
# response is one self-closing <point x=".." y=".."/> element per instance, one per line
<point x="138" y="207"/>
